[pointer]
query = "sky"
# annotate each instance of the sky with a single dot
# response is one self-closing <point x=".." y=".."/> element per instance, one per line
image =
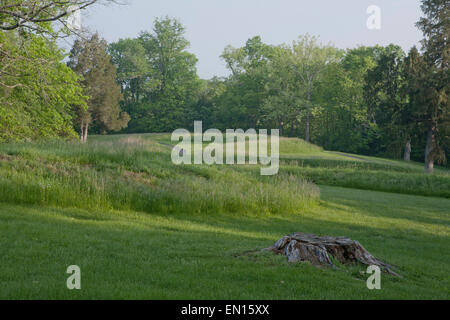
<point x="211" y="25"/>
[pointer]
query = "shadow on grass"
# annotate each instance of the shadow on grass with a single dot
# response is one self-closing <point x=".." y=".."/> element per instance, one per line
<point x="131" y="255"/>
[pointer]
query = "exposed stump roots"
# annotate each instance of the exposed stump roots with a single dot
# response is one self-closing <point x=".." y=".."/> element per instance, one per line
<point x="317" y="250"/>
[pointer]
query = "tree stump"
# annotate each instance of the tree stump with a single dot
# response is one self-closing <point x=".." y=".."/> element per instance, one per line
<point x="317" y="250"/>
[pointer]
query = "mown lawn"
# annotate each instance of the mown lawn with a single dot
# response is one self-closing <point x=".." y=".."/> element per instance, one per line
<point x="91" y="206"/>
<point x="127" y="255"/>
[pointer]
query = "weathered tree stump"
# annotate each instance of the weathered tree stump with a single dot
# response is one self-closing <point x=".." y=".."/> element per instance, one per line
<point x="317" y="250"/>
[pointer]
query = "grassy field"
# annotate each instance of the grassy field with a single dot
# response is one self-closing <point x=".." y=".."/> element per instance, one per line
<point x="140" y="227"/>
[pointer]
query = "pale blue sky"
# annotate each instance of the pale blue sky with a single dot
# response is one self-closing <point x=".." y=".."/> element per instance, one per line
<point x="213" y="24"/>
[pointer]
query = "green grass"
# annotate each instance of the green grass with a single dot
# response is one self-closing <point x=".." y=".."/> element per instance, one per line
<point x="380" y="180"/>
<point x="128" y="255"/>
<point x="142" y="228"/>
<point x="135" y="174"/>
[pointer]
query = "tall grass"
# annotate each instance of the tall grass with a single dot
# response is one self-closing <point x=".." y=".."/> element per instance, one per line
<point x="135" y="173"/>
<point x="367" y="178"/>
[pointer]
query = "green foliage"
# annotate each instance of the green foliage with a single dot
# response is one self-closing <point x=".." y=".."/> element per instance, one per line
<point x="37" y="90"/>
<point x="311" y="89"/>
<point x="342" y="121"/>
<point x="364" y="100"/>
<point x="436" y="27"/>
<point x="158" y="77"/>
<point x="39" y="16"/>
<point x="129" y="56"/>
<point x="240" y="104"/>
<point x="385" y="103"/>
<point x="434" y="74"/>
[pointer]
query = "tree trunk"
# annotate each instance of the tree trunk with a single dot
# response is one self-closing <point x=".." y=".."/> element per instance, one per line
<point x="308" y="114"/>
<point x="82" y="131"/>
<point x="407" y="155"/>
<point x="307" y="137"/>
<point x="317" y="250"/>
<point x="429" y="158"/>
<point x="85" y="135"/>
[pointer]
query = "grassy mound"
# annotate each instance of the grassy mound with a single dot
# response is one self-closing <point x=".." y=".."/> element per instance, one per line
<point x="135" y="173"/>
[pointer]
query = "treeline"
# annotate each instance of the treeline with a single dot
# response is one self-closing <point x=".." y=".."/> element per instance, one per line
<point x="367" y="100"/>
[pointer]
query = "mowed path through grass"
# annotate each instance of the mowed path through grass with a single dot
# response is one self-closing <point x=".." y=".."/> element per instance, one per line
<point x="129" y="255"/>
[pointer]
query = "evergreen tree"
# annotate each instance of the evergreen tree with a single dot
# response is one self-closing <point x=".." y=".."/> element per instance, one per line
<point x="89" y="59"/>
<point x="435" y="113"/>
